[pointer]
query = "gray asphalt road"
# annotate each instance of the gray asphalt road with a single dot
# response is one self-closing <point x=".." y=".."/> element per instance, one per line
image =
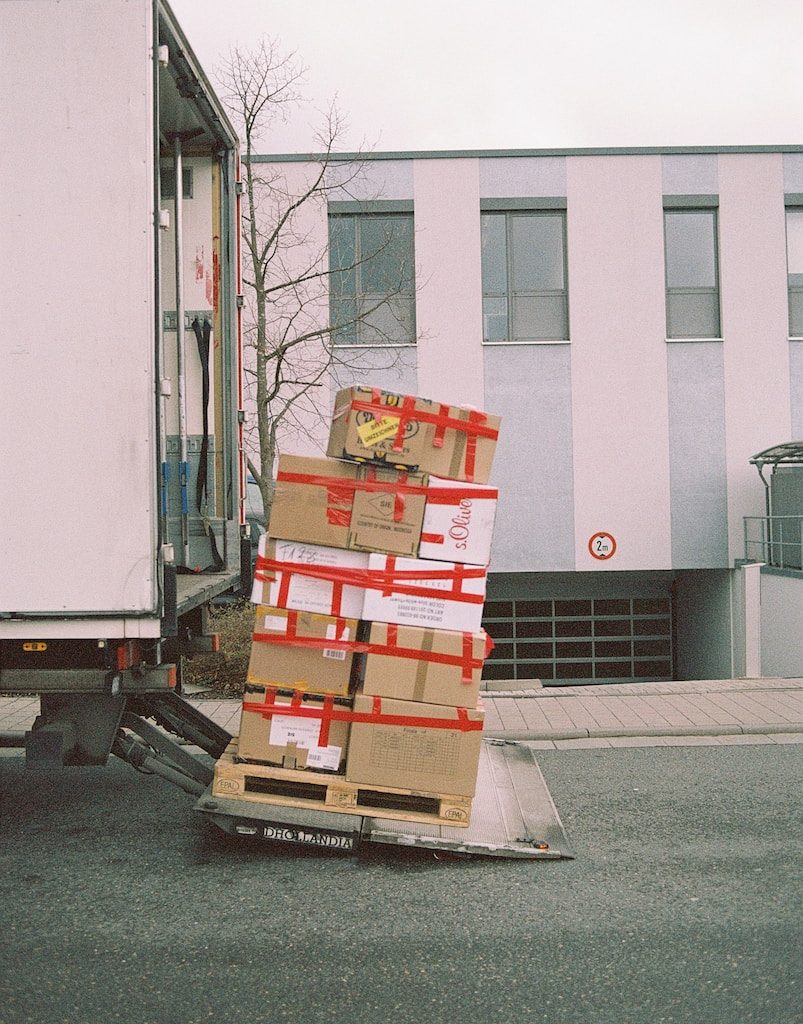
<point x="115" y="905"/>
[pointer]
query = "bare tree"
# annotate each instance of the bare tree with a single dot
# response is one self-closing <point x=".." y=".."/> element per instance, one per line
<point x="291" y="338"/>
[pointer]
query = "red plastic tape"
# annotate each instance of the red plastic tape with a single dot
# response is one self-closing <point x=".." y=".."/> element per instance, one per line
<point x="269" y="708"/>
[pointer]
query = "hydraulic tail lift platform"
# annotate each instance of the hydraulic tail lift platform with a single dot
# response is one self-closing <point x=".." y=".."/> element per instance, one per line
<point x="513" y="816"/>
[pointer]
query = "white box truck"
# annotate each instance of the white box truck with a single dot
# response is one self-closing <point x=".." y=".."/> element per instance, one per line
<point x="121" y="464"/>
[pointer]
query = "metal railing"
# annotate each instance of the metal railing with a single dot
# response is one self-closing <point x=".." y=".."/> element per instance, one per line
<point x="776" y="540"/>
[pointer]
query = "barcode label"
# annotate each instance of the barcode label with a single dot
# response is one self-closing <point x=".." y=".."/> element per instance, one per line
<point x="324" y="757"/>
<point x="337" y="655"/>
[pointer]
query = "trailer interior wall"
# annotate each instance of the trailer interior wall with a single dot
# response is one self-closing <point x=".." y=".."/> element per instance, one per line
<point x="77" y="347"/>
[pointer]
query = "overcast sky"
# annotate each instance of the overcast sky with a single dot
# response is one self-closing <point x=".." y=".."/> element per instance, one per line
<point x="465" y="74"/>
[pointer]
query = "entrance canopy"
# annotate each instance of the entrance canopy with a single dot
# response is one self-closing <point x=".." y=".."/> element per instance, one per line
<point x="789" y="454"/>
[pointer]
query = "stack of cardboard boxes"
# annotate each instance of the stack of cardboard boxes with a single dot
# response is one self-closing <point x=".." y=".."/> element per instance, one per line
<point x="368" y="650"/>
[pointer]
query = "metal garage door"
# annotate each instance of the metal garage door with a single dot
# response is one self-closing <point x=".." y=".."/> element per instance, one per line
<point x="620" y="640"/>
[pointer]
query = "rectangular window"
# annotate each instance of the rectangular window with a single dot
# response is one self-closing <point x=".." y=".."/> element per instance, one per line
<point x="794" y="270"/>
<point x="372" y="278"/>
<point x="692" y="274"/>
<point x="524" y="294"/>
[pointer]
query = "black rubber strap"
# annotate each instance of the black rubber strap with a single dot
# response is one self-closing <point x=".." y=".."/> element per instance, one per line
<point x="203" y="334"/>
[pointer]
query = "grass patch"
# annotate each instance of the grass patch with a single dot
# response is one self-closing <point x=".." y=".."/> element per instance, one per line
<point x="225" y="671"/>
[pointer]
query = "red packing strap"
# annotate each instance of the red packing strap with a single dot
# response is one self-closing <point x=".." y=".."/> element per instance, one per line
<point x="373" y="579"/>
<point x="454" y="495"/>
<point x="468" y="657"/>
<point x="290" y="637"/>
<point x="475" y="425"/>
<point x="340" y="492"/>
<point x="465" y="661"/>
<point x="434" y="495"/>
<point x="369" y="484"/>
<point x="470" y="457"/>
<point x="407" y="408"/>
<point x="440" y="430"/>
<point x="312" y="642"/>
<point x="398" y="501"/>
<point x="284" y="587"/>
<point x="390" y="567"/>
<point x="337" y="597"/>
<point x="268" y="709"/>
<point x="457" y="578"/>
<point x="397" y="489"/>
<point x="389" y="580"/>
<point x="339" y="505"/>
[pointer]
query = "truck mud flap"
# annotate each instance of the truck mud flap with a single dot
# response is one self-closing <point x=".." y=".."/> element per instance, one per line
<point x="513" y="816"/>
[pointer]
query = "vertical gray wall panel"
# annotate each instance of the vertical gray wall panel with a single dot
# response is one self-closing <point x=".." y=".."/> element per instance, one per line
<point x="522" y="177"/>
<point x="372" y="179"/>
<point x="793" y="172"/>
<point x="692" y="174"/>
<point x="697" y="466"/>
<point x="796" y="388"/>
<point x="529" y="386"/>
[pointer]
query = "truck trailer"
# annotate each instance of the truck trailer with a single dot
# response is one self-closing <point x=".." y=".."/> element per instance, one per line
<point x="122" y="482"/>
<point x="120" y="395"/>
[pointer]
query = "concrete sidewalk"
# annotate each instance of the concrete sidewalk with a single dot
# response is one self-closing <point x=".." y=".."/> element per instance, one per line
<point x="711" y="712"/>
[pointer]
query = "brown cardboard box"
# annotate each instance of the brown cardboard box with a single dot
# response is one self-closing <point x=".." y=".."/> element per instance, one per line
<point x="344" y="505"/>
<point x="306" y="737"/>
<point x="296" y="650"/>
<point x="431" y="666"/>
<point x="402" y="744"/>
<point x="309" y="577"/>
<point x="447" y="440"/>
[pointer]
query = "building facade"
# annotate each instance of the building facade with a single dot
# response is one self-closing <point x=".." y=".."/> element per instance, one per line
<point x="636" y="318"/>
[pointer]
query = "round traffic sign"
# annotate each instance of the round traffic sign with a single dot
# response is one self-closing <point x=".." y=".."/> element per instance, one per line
<point x="602" y="545"/>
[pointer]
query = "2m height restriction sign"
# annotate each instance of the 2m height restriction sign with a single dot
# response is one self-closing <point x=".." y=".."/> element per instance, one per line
<point x="602" y="545"/>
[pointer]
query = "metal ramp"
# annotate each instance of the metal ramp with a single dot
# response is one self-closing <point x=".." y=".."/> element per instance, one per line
<point x="513" y="816"/>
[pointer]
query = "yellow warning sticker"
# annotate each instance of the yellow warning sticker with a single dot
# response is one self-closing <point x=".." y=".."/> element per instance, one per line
<point x="374" y="431"/>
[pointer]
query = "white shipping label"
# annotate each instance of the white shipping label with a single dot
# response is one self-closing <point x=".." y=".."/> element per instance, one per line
<point x="324" y="757"/>
<point x="275" y="624"/>
<point x="436" y="612"/>
<point x="304" y="732"/>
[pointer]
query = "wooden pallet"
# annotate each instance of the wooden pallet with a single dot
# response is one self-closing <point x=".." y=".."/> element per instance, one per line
<point x="285" y="787"/>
